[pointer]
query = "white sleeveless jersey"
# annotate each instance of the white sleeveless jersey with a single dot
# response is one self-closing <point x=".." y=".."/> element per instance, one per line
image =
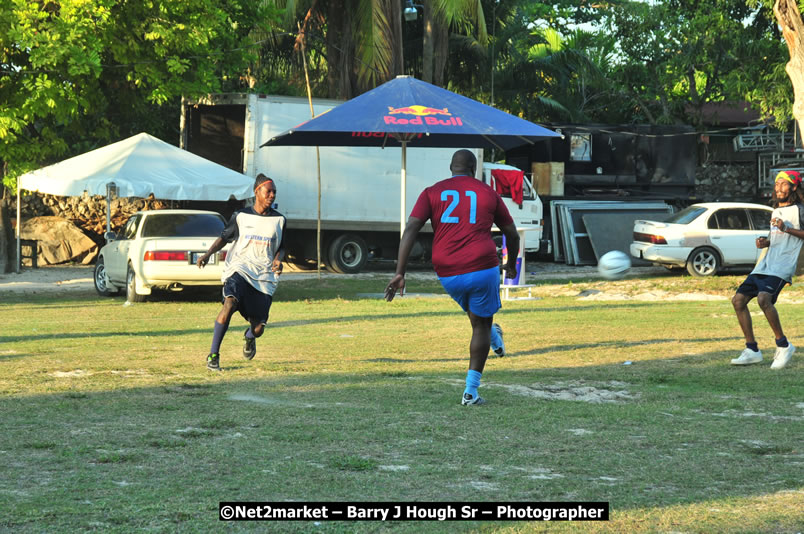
<point x="257" y="238"/>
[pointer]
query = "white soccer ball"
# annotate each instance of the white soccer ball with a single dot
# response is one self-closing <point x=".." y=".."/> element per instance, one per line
<point x="613" y="265"/>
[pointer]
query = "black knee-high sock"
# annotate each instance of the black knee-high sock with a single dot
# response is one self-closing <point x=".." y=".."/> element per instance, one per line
<point x="217" y="337"/>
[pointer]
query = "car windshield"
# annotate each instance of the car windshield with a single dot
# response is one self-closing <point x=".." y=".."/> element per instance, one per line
<point x="183" y="225"/>
<point x="686" y="216"/>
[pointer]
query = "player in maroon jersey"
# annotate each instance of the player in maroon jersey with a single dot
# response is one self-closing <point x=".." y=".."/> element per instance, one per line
<point x="462" y="210"/>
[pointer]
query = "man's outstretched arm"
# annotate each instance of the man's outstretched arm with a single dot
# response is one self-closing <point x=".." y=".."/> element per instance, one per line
<point x="405" y="246"/>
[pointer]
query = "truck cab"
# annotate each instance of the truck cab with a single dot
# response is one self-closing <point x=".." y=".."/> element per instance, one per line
<point x="517" y="191"/>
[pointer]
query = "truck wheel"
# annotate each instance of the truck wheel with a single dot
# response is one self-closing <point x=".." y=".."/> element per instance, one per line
<point x="131" y="290"/>
<point x="702" y="262"/>
<point x="101" y="281"/>
<point x="348" y="253"/>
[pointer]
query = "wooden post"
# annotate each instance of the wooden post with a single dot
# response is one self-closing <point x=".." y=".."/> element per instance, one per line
<point x="317" y="157"/>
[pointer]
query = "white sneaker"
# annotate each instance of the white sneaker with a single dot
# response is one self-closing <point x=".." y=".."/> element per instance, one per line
<point x="498" y="351"/>
<point x="782" y="356"/>
<point x="468" y="400"/>
<point x="748" y="357"/>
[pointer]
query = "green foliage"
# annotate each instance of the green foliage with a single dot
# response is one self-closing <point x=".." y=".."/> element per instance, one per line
<point x="678" y="55"/>
<point x="80" y="73"/>
<point x="633" y="61"/>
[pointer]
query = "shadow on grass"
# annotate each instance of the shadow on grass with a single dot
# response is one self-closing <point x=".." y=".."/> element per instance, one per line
<point x="101" y="335"/>
<point x="302" y="322"/>
<point x="616" y="344"/>
<point x="382" y="437"/>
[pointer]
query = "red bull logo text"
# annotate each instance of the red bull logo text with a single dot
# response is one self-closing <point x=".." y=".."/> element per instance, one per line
<point x="422" y="115"/>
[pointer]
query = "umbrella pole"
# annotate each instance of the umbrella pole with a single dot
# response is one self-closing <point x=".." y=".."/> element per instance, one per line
<point x="19" y="228"/>
<point x="403" y="189"/>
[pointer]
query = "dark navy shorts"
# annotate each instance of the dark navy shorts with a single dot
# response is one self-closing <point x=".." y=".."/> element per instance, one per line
<point x="252" y="304"/>
<point x="762" y="283"/>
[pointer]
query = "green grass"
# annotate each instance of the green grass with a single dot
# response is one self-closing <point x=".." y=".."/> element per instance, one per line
<point x="112" y="423"/>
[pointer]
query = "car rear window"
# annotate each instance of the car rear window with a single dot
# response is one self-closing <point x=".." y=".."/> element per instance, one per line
<point x="183" y="225"/>
<point x="761" y="219"/>
<point x="729" y="219"/>
<point x="687" y="215"/>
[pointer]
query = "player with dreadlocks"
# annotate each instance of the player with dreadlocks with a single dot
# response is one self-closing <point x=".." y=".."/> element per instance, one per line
<point x="774" y="270"/>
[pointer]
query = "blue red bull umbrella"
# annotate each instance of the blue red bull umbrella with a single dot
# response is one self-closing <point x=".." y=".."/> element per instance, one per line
<point x="407" y="111"/>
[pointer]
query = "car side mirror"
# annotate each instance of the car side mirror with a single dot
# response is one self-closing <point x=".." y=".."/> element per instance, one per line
<point x="109" y="236"/>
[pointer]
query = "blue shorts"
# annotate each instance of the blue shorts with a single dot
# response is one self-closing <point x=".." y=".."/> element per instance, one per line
<point x="478" y="292"/>
<point x="762" y="283"/>
<point x="252" y="304"/>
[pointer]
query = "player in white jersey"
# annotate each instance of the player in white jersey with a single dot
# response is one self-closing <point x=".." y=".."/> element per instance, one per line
<point x="252" y="268"/>
<point x="774" y="270"/>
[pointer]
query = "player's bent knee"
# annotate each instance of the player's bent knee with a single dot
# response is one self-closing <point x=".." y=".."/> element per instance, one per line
<point x="258" y="330"/>
<point x="765" y="301"/>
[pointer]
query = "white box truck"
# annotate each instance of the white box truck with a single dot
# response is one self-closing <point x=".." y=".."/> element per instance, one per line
<point x="360" y="186"/>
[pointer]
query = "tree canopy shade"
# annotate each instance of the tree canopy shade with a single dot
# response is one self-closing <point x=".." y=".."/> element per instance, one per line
<point x="76" y="74"/>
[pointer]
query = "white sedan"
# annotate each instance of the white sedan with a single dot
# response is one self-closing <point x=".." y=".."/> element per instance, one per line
<point x="704" y="237"/>
<point x="159" y="249"/>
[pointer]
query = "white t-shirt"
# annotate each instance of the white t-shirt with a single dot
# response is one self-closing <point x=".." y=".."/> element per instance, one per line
<point x="782" y="256"/>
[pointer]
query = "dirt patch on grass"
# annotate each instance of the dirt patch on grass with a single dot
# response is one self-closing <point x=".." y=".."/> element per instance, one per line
<point x="610" y="392"/>
<point x="576" y="391"/>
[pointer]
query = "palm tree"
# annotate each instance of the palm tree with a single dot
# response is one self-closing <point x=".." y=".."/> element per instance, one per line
<point x="359" y="40"/>
<point x="439" y="17"/>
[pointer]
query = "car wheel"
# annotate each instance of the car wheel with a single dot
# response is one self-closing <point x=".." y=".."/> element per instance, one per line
<point x="131" y="280"/>
<point x="100" y="279"/>
<point x="348" y="253"/>
<point x="703" y="261"/>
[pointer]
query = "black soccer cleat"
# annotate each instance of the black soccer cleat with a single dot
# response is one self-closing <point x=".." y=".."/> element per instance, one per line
<point x="249" y="346"/>
<point x="214" y="362"/>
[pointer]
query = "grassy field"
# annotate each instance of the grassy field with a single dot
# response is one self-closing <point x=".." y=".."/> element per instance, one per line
<point x="112" y="423"/>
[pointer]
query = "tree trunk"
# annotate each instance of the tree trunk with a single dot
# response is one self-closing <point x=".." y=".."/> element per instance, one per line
<point x="397" y="45"/>
<point x="334" y="72"/>
<point x="441" y="49"/>
<point x="428" y="42"/>
<point x="340" y="51"/>
<point x="789" y="18"/>
<point x="7" y="242"/>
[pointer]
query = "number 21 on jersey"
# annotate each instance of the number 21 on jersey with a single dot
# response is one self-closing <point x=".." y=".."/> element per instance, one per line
<point x="455" y="197"/>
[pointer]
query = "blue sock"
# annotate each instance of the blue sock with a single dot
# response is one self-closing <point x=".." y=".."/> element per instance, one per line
<point x="782" y="342"/>
<point x="217" y="337"/>
<point x="753" y="346"/>
<point x="249" y="333"/>
<point x="496" y="340"/>
<point x="472" y="381"/>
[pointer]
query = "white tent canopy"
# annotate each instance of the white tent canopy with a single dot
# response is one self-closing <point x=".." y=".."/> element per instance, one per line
<point x="139" y="166"/>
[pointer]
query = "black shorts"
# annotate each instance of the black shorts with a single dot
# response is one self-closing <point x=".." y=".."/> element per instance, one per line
<point x="762" y="283"/>
<point x="252" y="304"/>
